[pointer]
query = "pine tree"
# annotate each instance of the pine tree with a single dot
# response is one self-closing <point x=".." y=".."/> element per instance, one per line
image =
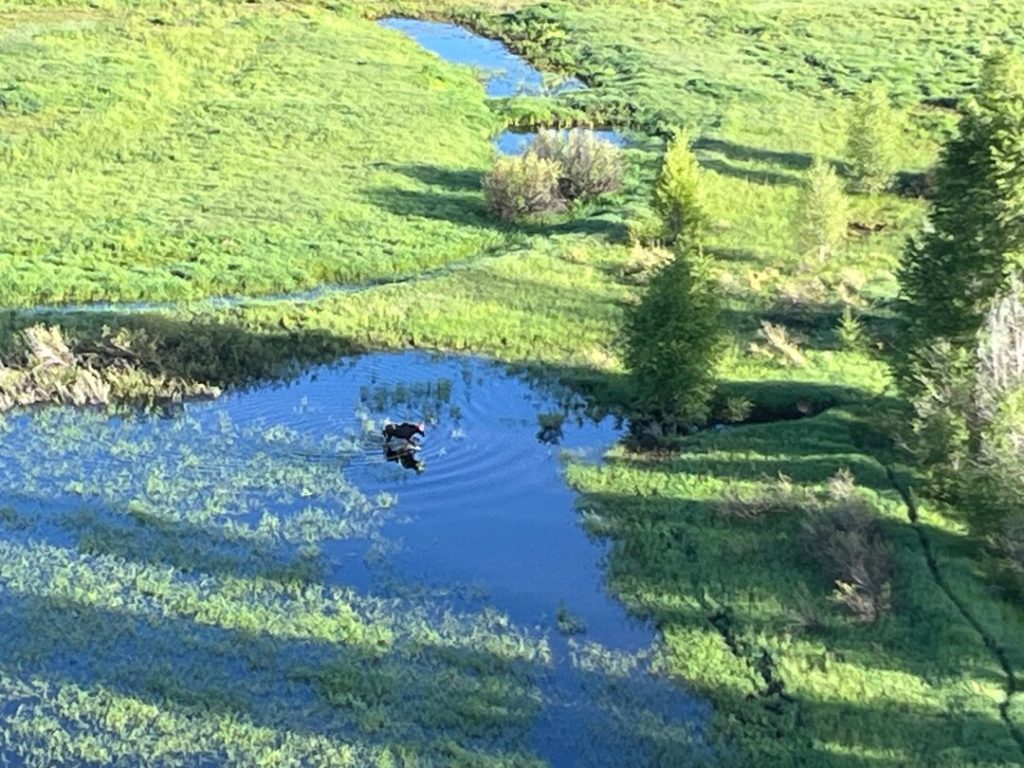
<point x="975" y="239"/>
<point x="822" y="213"/>
<point x="678" y="196"/>
<point x="871" y="139"/>
<point x="673" y="336"/>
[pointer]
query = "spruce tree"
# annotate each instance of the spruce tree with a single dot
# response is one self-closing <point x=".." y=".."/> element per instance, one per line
<point x="673" y="336"/>
<point x="822" y="213"/>
<point x="871" y="138"/>
<point x="678" y="196"/>
<point x="975" y="237"/>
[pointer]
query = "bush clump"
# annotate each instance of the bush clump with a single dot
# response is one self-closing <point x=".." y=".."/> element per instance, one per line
<point x="845" y="537"/>
<point x="561" y="167"/>
<point x="523" y="186"/>
<point x="590" y="167"/>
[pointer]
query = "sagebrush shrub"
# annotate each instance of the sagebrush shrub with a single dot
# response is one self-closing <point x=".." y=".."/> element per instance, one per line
<point x="846" y="539"/>
<point x="527" y="185"/>
<point x="591" y="166"/>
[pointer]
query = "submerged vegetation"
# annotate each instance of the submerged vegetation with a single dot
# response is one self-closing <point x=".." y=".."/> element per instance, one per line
<point x="834" y="607"/>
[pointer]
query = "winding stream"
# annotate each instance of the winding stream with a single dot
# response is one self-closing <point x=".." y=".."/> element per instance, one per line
<point x="506" y="74"/>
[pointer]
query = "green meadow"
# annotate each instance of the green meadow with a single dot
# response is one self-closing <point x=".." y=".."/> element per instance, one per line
<point x="178" y="151"/>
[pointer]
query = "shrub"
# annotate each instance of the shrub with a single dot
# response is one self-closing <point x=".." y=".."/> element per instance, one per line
<point x="779" y="345"/>
<point x="781" y="496"/>
<point x="673" y="337"/>
<point x="736" y="409"/>
<point x="590" y="166"/>
<point x="850" y="330"/>
<point x="846" y="539"/>
<point x="678" y="196"/>
<point x="871" y="137"/>
<point x="522" y="186"/>
<point x="821" y="217"/>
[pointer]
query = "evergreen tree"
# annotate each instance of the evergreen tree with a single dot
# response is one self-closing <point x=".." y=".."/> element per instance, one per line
<point x="871" y="139"/>
<point x="672" y="339"/>
<point x="822" y="213"/>
<point x="975" y="240"/>
<point x="678" y="196"/>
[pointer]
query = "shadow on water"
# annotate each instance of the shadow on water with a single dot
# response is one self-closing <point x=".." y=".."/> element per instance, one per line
<point x="290" y="486"/>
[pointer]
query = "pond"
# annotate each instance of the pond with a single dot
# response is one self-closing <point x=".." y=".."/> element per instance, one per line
<point x="506" y="73"/>
<point x="252" y="576"/>
<point x="517" y="142"/>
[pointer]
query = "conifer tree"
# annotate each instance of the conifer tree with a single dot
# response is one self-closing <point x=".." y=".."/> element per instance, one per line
<point x="822" y="213"/>
<point x="678" y="196"/>
<point x="672" y="339"/>
<point x="975" y="237"/>
<point x="871" y="139"/>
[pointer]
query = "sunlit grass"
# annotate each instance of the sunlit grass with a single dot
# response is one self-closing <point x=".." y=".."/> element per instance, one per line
<point x="253" y="150"/>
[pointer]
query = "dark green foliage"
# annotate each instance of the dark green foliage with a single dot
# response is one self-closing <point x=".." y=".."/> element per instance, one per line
<point x="677" y="195"/>
<point x="672" y="339"/>
<point x="976" y="233"/>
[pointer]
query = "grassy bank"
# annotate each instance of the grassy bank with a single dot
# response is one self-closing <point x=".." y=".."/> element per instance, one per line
<point x="247" y="153"/>
<point x="197" y="149"/>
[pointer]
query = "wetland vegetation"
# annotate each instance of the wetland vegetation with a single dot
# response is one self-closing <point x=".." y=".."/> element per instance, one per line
<point x="200" y="583"/>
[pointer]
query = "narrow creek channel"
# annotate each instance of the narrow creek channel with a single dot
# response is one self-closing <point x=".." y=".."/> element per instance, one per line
<point x="486" y="529"/>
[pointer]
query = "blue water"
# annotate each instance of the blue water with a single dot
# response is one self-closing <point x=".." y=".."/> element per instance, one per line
<point x="486" y="525"/>
<point x="517" y="142"/>
<point x="506" y="74"/>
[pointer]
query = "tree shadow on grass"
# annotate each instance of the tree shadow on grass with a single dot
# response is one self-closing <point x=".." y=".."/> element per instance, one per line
<point x="755" y="175"/>
<point x="816" y="325"/>
<point x="457" y="198"/>
<point x="692" y="569"/>
<point x="793" y="161"/>
<point x="451" y="179"/>
<point x="468" y="209"/>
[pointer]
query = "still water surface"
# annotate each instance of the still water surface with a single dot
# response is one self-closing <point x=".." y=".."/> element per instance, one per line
<point x="506" y="73"/>
<point x="486" y="525"/>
